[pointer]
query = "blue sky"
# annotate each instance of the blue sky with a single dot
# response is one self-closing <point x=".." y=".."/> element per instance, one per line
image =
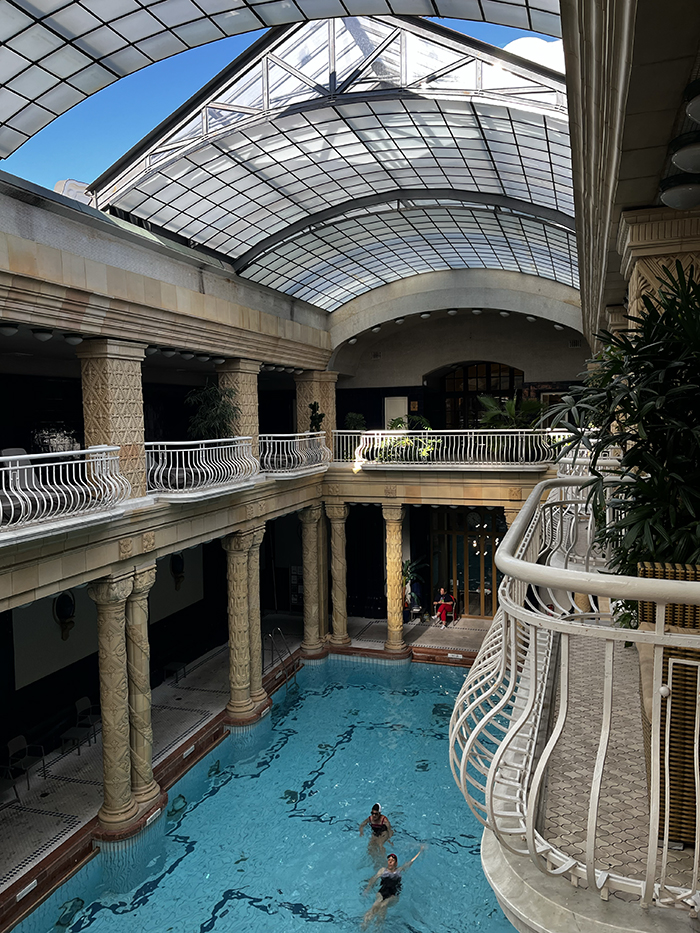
<point x="86" y="140"/>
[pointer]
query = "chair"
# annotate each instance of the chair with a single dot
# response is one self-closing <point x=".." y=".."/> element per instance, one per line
<point x="23" y="756"/>
<point x="7" y="782"/>
<point x="87" y="715"/>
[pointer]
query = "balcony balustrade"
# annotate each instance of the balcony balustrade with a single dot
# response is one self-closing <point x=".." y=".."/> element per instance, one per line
<point x="40" y="488"/>
<point x="294" y="454"/>
<point x="194" y="469"/>
<point x="518" y="769"/>
<point x="529" y="449"/>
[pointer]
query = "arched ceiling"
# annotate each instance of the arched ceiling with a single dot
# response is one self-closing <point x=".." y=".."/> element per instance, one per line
<point x="337" y="156"/>
<point x="55" y="53"/>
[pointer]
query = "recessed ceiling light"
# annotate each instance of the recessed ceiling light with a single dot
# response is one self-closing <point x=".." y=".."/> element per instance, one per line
<point x="43" y="335"/>
<point x="452" y="312"/>
<point x="558" y="327"/>
<point x="425" y="315"/>
<point x="375" y="330"/>
<point x="8" y="330"/>
<point x="399" y="320"/>
<point x="477" y="311"/>
<point x="530" y="319"/>
<point x="352" y="340"/>
<point x="504" y="313"/>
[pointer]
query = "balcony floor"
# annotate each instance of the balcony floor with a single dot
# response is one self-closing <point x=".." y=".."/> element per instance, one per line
<point x="624" y="806"/>
<point x="55" y="808"/>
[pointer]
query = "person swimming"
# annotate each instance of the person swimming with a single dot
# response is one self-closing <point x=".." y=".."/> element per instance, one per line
<point x="380" y="826"/>
<point x="389" y="886"/>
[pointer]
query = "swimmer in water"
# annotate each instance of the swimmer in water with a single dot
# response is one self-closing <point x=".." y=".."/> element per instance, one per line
<point x="389" y="887"/>
<point x="381" y="829"/>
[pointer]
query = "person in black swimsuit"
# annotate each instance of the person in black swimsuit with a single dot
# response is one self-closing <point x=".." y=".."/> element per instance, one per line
<point x="389" y="887"/>
<point x="381" y="830"/>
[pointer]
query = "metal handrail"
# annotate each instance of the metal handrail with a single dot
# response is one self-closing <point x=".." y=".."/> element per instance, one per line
<point x="294" y="453"/>
<point x="509" y="449"/>
<point x="187" y="466"/>
<point x="37" y="488"/>
<point x="552" y="590"/>
<point x="281" y="656"/>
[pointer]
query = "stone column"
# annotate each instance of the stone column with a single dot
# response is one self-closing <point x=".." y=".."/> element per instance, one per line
<point x="110" y="595"/>
<point x="237" y="546"/>
<point x="242" y="376"/>
<point x="337" y="515"/>
<point x="316" y="386"/>
<point x="311" y="643"/>
<point x="393" y="516"/>
<point x="257" y="694"/>
<point x="138" y="657"/>
<point x="113" y="403"/>
<point x="323" y="577"/>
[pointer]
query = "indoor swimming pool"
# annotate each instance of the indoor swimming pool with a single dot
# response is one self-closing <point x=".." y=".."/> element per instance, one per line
<point x="262" y="835"/>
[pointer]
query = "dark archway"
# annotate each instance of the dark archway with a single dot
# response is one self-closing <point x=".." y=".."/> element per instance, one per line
<point x="453" y="391"/>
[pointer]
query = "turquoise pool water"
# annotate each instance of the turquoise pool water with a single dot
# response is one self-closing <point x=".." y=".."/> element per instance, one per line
<point x="267" y="838"/>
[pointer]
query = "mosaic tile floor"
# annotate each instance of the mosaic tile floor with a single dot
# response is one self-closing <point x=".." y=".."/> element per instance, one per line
<point x="70" y="796"/>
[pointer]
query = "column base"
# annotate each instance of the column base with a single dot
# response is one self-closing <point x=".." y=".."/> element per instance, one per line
<point x="340" y="639"/>
<point x="117" y="819"/>
<point x="114" y="832"/>
<point x="259" y="697"/>
<point x="316" y="651"/>
<point x="239" y="712"/>
<point x="401" y="649"/>
<point x="145" y="794"/>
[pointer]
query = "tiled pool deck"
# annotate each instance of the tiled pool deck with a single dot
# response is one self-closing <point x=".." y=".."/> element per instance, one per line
<point x="54" y="809"/>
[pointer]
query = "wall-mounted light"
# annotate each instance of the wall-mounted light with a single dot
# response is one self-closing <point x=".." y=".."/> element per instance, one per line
<point x="692" y="100"/>
<point x="685" y="152"/>
<point x="375" y="330"/>
<point x="218" y="360"/>
<point x="289" y="369"/>
<point x="168" y="353"/>
<point x="150" y="351"/>
<point x="298" y="372"/>
<point x="399" y="320"/>
<point x="681" y="192"/>
<point x="558" y="327"/>
<point x="42" y="335"/>
<point x="187" y="354"/>
<point x="452" y="312"/>
<point x="504" y="313"/>
<point x="8" y="330"/>
<point x="279" y="369"/>
<point x="352" y="341"/>
<point x="202" y="357"/>
<point x="425" y="315"/>
<point x="477" y="311"/>
<point x="530" y="319"/>
<point x="73" y="339"/>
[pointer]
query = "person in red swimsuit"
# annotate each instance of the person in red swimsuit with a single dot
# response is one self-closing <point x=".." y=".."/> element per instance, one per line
<point x="442" y="605"/>
<point x="381" y="830"/>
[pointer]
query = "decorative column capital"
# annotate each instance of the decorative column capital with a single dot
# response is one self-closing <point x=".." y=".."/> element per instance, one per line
<point x="393" y="513"/>
<point x="238" y="542"/>
<point x="316" y="375"/>
<point x="239" y="366"/>
<point x="108" y="348"/>
<point x="110" y="590"/>
<point x="258" y="534"/>
<point x="144" y="578"/>
<point x="310" y="515"/>
<point x="336" y="512"/>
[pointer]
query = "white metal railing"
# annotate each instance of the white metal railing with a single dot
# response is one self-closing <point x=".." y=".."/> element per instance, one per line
<point x="188" y="466"/>
<point x="520" y="449"/>
<point x="500" y="751"/>
<point x="49" y="487"/>
<point x="294" y="453"/>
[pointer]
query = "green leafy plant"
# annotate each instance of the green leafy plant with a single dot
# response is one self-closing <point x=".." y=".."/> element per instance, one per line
<point x="216" y="412"/>
<point x="510" y="412"/>
<point x="395" y="448"/>
<point x="316" y="417"/>
<point x="410" y="423"/>
<point x="410" y="574"/>
<point x="354" y="421"/>
<point x="642" y="397"/>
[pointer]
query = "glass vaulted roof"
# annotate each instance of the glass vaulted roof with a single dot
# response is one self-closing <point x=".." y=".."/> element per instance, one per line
<point x="55" y="53"/>
<point x="329" y="131"/>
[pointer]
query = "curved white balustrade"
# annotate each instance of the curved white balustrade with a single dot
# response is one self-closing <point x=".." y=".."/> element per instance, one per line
<point x="184" y="468"/>
<point x="527" y="449"/>
<point x="294" y="454"/>
<point x="49" y="487"/>
<point x="500" y="750"/>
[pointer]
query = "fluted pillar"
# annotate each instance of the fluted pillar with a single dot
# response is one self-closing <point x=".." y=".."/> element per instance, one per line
<point x="242" y="377"/>
<point x="138" y="657"/>
<point x="393" y="516"/>
<point x="113" y="403"/>
<point x="337" y="515"/>
<point x="237" y="546"/>
<point x="257" y="694"/>
<point x="311" y="643"/>
<point x="110" y="595"/>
